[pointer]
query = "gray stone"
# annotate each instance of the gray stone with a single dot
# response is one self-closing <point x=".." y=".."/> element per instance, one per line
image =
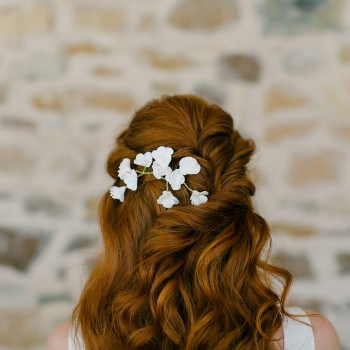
<point x="46" y="206"/>
<point x="203" y="14"/>
<point x="80" y="242"/>
<point x="239" y="67"/>
<point x="37" y="65"/>
<point x="17" y="123"/>
<point x="303" y="60"/>
<point x="53" y="298"/>
<point x="298" y="264"/>
<point x="301" y="16"/>
<point x="211" y="93"/>
<point x="3" y="93"/>
<point x="15" y="159"/>
<point x="19" y="248"/>
<point x="343" y="260"/>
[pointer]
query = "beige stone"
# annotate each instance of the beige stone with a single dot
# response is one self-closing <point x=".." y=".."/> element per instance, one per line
<point x="344" y="54"/>
<point x="19" y="328"/>
<point x="293" y="229"/>
<point x="308" y="169"/>
<point x="165" y="87"/>
<point x="276" y="133"/>
<point x="17" y="22"/>
<point x="85" y="48"/>
<point x="342" y="131"/>
<point x="164" y="61"/>
<point x="48" y="100"/>
<point x="16" y="160"/>
<point x="2" y="94"/>
<point x="279" y="99"/>
<point x="110" y="20"/>
<point x="118" y="100"/>
<point x="106" y="71"/>
<point x="203" y="14"/>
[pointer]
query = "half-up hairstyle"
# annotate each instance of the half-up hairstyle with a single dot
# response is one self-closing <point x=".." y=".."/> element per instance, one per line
<point x="189" y="277"/>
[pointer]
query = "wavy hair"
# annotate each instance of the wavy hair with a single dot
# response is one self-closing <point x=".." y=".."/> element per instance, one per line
<point x="189" y="277"/>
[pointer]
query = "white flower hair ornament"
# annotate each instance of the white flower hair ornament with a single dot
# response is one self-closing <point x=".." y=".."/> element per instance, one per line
<point x="159" y="160"/>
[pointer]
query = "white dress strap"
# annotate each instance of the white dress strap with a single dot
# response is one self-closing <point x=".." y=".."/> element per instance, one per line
<point x="298" y="336"/>
<point x="74" y="344"/>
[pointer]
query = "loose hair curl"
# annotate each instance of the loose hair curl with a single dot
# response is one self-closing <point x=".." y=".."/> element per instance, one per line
<point x="188" y="277"/>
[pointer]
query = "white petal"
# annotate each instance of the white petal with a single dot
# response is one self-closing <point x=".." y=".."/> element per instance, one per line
<point x="144" y="159"/>
<point x="189" y="165"/>
<point x="175" y="178"/>
<point x="124" y="167"/>
<point x="162" y="155"/>
<point x="167" y="199"/>
<point x="117" y="192"/>
<point x="130" y="179"/>
<point x="159" y="171"/>
<point x="198" y="198"/>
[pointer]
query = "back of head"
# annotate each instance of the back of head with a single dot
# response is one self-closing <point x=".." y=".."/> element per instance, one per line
<point x="189" y="277"/>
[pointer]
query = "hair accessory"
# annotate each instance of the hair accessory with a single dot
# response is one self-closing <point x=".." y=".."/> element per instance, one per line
<point x="159" y="160"/>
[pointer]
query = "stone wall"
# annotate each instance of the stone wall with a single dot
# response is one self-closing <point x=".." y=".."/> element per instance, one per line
<point x="73" y="71"/>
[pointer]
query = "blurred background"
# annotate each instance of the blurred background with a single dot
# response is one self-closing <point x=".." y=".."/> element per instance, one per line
<point x="72" y="72"/>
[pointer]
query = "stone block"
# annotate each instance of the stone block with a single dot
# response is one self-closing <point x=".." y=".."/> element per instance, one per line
<point x="278" y="98"/>
<point x="94" y="18"/>
<point x="316" y="168"/>
<point x="16" y="159"/>
<point x="205" y="15"/>
<point x="344" y="54"/>
<point x="17" y="22"/>
<point x="342" y="132"/>
<point x="19" y="248"/>
<point x="343" y="260"/>
<point x="18" y="123"/>
<point x="19" y="328"/>
<point x="85" y="48"/>
<point x="239" y="67"/>
<point x="80" y="242"/>
<point x="104" y="71"/>
<point x="164" y="61"/>
<point x="47" y="206"/>
<point x="297" y="263"/>
<point x="211" y="93"/>
<point x="3" y="93"/>
<point x="37" y="65"/>
<point x="301" y="16"/>
<point x="293" y="229"/>
<point x="279" y="132"/>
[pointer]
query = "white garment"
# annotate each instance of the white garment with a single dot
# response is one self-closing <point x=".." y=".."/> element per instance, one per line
<point x="297" y="336"/>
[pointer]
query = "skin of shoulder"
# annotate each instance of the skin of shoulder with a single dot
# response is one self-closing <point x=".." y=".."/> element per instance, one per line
<point x="325" y="335"/>
<point x="58" y="339"/>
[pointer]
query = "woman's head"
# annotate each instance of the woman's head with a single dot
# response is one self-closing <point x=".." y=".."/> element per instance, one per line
<point x="189" y="277"/>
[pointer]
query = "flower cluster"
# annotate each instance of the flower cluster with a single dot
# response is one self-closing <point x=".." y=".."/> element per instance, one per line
<point x="159" y="160"/>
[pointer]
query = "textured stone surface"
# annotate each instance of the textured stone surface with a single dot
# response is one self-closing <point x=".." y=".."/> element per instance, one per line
<point x="109" y="20"/>
<point x="298" y="264"/>
<point x="344" y="54"/>
<point x="18" y="248"/>
<point x="15" y="159"/>
<point x="16" y="22"/>
<point x="283" y="98"/>
<point x="85" y="48"/>
<point x="344" y="262"/>
<point x="311" y="169"/>
<point x="211" y="93"/>
<point x="301" y="16"/>
<point x="42" y="205"/>
<point x="2" y="94"/>
<point x="165" y="61"/>
<point x="239" y="67"/>
<point x="14" y="122"/>
<point x="203" y="14"/>
<point x="279" y="132"/>
<point x="293" y="229"/>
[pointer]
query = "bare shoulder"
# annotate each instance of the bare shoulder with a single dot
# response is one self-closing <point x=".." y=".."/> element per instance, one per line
<point x="326" y="336"/>
<point x="58" y="339"/>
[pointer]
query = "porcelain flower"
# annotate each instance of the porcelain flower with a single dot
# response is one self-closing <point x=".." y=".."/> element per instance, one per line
<point x="162" y="155"/>
<point x="175" y="179"/>
<point x="167" y="199"/>
<point x="117" y="192"/>
<point x="130" y="179"/>
<point x="159" y="171"/>
<point x="124" y="167"/>
<point x="144" y="159"/>
<point x="189" y="165"/>
<point x="198" y="198"/>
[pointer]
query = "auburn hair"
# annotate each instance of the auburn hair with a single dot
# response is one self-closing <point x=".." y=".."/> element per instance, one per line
<point x="189" y="277"/>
